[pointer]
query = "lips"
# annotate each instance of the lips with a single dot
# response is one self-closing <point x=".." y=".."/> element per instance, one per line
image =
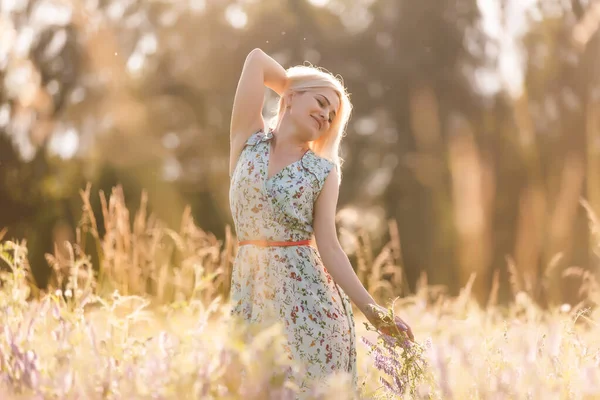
<point x="318" y="122"/>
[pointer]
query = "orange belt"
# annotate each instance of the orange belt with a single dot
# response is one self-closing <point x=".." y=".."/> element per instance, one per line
<point x="267" y="243"/>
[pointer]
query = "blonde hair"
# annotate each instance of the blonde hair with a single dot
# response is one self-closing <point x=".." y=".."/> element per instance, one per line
<point x="303" y="78"/>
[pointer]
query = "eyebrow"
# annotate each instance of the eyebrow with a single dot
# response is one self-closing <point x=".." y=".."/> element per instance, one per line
<point x="328" y="103"/>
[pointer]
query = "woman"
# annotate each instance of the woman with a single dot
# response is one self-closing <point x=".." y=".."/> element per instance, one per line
<point x="284" y="189"/>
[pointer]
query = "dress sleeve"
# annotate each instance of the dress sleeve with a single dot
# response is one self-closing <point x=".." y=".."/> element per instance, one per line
<point x="319" y="169"/>
<point x="255" y="138"/>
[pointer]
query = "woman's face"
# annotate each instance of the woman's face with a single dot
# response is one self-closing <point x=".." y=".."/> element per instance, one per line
<point x="313" y="111"/>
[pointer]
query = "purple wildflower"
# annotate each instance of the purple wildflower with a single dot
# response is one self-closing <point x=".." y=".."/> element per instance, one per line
<point x="384" y="364"/>
<point x="401" y="360"/>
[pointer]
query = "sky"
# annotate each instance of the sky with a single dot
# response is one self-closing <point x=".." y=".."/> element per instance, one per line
<point x="507" y="31"/>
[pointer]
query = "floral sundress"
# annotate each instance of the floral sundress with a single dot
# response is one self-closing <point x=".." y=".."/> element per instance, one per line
<point x="288" y="284"/>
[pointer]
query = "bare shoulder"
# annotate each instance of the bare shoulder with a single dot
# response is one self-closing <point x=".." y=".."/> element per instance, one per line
<point x="326" y="202"/>
<point x="325" y="211"/>
<point x="331" y="180"/>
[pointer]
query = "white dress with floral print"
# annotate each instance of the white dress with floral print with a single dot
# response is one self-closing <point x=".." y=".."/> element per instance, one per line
<point x="289" y="284"/>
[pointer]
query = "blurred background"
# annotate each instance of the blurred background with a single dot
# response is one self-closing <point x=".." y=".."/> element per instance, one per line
<point x="474" y="144"/>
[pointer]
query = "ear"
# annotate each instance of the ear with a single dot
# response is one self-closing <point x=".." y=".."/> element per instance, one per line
<point x="287" y="100"/>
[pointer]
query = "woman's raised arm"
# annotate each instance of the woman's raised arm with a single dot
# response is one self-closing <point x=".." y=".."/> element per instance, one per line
<point x="259" y="70"/>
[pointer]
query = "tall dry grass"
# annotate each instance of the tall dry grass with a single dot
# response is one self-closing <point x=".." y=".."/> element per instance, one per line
<point x="142" y="256"/>
<point x="151" y="321"/>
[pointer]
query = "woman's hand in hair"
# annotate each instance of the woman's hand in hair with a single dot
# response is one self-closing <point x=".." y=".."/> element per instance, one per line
<point x="259" y="70"/>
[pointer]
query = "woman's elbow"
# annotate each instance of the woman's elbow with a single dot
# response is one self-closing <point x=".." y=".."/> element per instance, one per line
<point x="254" y="53"/>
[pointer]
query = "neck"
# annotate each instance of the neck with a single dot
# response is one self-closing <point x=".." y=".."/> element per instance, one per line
<point x="286" y="138"/>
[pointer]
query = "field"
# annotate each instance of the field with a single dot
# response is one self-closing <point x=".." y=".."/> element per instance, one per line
<point x="149" y="322"/>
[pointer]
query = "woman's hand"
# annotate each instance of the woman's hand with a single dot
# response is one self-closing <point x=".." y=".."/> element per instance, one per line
<point x="381" y="319"/>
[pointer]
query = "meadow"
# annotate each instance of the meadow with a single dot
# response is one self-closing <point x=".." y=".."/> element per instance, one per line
<point x="148" y="319"/>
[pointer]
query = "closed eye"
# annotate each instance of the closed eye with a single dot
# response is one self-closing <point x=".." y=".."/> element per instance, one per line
<point x="322" y="105"/>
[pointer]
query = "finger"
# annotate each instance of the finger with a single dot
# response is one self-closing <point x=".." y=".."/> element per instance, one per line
<point x="402" y="326"/>
<point x="405" y="328"/>
<point x="409" y="334"/>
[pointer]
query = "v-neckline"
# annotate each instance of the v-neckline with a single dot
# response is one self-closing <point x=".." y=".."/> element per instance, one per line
<point x="268" y="162"/>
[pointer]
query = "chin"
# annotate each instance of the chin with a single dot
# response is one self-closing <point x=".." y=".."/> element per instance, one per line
<point x="309" y="133"/>
<point x="314" y="135"/>
<point x="308" y="136"/>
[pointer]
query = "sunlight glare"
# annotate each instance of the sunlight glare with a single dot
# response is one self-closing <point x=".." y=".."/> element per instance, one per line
<point x="197" y="5"/>
<point x="4" y="115"/>
<point x="48" y="13"/>
<point x="171" y="141"/>
<point x="366" y="126"/>
<point x="10" y="6"/>
<point x="356" y="19"/>
<point x="236" y="16"/>
<point x="171" y="170"/>
<point x="511" y="57"/>
<point x="319" y="3"/>
<point x="136" y="62"/>
<point x="64" y="144"/>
